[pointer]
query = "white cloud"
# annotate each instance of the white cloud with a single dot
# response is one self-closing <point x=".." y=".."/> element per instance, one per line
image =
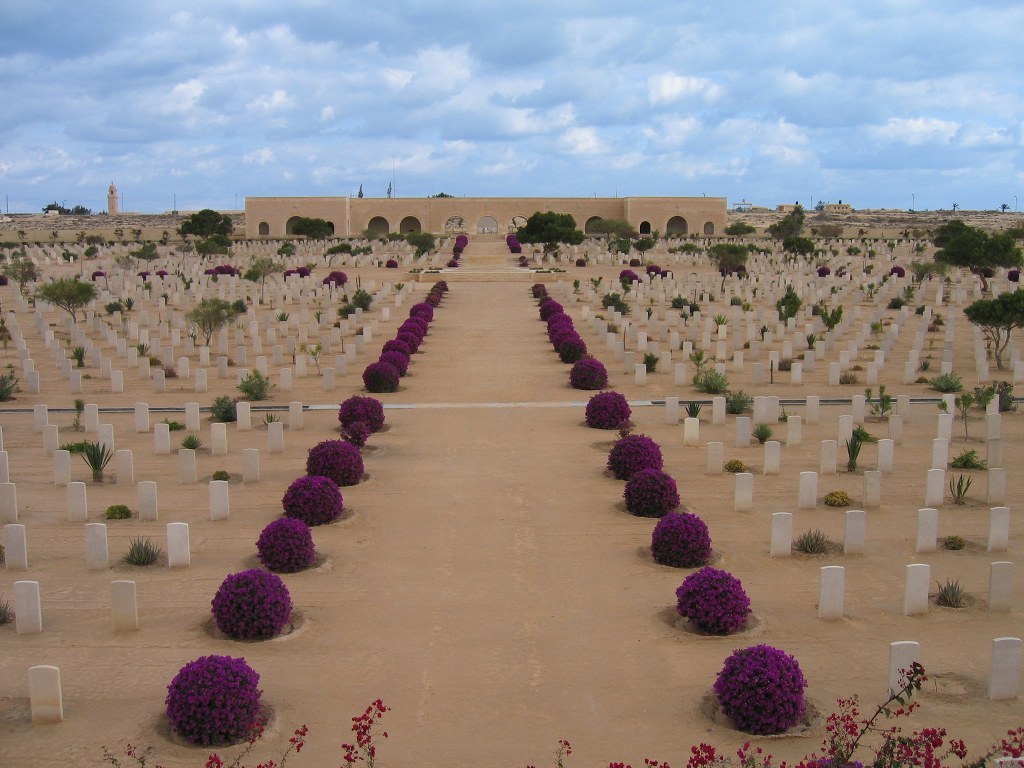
<point x="397" y="79"/>
<point x="184" y="96"/>
<point x="326" y="114"/>
<point x="583" y="141"/>
<point x="278" y="99"/>
<point x="916" y="130"/>
<point x="668" y="87"/>
<point x="260" y="156"/>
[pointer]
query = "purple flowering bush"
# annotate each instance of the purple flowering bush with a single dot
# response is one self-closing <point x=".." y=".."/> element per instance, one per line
<point x="336" y="460"/>
<point x="714" y="601"/>
<point x="396" y="345"/>
<point x="356" y="433"/>
<point x="410" y="338"/>
<point x="588" y="373"/>
<point x="368" y="410"/>
<point x="396" y="359"/>
<point x="681" y="540"/>
<point x="337" y="277"/>
<point x="391" y="264"/>
<point x="423" y="311"/>
<point x="651" y="493"/>
<point x="761" y="689"/>
<point x="824" y="271"/>
<point x="286" y="545"/>
<point x="313" y="499"/>
<point x="898" y="271"/>
<point x="572" y="349"/>
<point x="252" y="605"/>
<point x="381" y="377"/>
<point x="1013" y="275"/>
<point x="214" y="700"/>
<point x="607" y="410"/>
<point x="628" y="275"/>
<point x="538" y="291"/>
<point x="632" y="453"/>
<point x="550" y="307"/>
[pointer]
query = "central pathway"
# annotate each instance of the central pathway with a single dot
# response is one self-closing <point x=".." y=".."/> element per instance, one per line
<point x="490" y="607"/>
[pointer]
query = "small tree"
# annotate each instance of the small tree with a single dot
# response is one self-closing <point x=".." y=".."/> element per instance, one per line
<point x="789" y="304"/>
<point x="550" y="229"/>
<point x="260" y="268"/>
<point x="22" y="271"/>
<point x="206" y="223"/>
<point x="997" y="318"/>
<point x="313" y="229"/>
<point x="801" y="246"/>
<point x="961" y="245"/>
<point x="790" y="226"/>
<point x="67" y="293"/>
<point x="729" y="258"/>
<point x="423" y="242"/>
<point x="210" y="315"/>
<point x="613" y="228"/>
<point x="643" y="245"/>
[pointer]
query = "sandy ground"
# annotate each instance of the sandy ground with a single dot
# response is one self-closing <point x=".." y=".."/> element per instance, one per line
<point x="489" y="586"/>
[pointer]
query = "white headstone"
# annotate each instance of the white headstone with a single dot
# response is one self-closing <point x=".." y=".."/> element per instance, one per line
<point x="145" y="493"/>
<point x="28" y="609"/>
<point x="250" y="465"/>
<point x="15" y="547"/>
<point x="178" y="553"/>
<point x="186" y="465"/>
<point x="935" y="487"/>
<point x="808" y="498"/>
<point x="782" y="534"/>
<point x="832" y="592"/>
<point x="855" y="531"/>
<point x="902" y="655"/>
<point x="78" y="509"/>
<point x="96" y="553"/>
<point x="1004" y="677"/>
<point x="1000" y="586"/>
<point x="220" y="506"/>
<point x="743" y="495"/>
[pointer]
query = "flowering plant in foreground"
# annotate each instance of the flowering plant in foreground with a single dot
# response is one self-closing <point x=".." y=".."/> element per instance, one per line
<point x="362" y="726"/>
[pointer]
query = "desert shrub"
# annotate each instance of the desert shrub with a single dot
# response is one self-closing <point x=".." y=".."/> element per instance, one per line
<point x="786" y="364"/>
<point x="763" y="433"/>
<point x="681" y="540"/>
<point x="837" y="499"/>
<point x="713" y="601"/>
<point x="633" y="453"/>
<point x="607" y="410"/>
<point x="615" y="302"/>
<point x="711" y="381"/>
<point x="336" y="459"/>
<point x="368" y="410"/>
<point x="224" y="409"/>
<point x="76" y="447"/>
<point x="286" y="546"/>
<point x="572" y="350"/>
<point x="813" y="543"/>
<point x="735" y="466"/>
<point x="221" y="474"/>
<point x="255" y="386"/>
<point x="588" y="373"/>
<point x="142" y="552"/>
<point x="192" y="442"/>
<point x="395" y="359"/>
<point x="8" y="386"/>
<point x="968" y="459"/>
<point x="953" y="543"/>
<point x="381" y="377"/>
<point x="848" y="377"/>
<point x="951" y="594"/>
<point x="6" y="609"/>
<point x="313" y="499"/>
<point x="651" y="362"/>
<point x="946" y="382"/>
<point x="118" y="512"/>
<point x="252" y="605"/>
<point x="896" y="303"/>
<point x="761" y="689"/>
<point x="651" y="493"/>
<point x="214" y="700"/>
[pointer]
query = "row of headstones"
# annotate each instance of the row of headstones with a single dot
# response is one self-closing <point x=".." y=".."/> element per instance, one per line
<point x="855" y="531"/>
<point x="915" y="594"/>
<point x="1004" y="672"/>
<point x="97" y="550"/>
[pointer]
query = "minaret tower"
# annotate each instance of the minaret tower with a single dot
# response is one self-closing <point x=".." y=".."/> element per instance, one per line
<point x="112" y="199"/>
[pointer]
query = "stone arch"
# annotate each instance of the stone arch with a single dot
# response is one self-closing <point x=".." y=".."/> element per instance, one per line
<point x="410" y="224"/>
<point x="487" y="225"/>
<point x="589" y="228"/>
<point x="378" y="225"/>
<point x="677" y="226"/>
<point x="709" y="227"/>
<point x="264" y="228"/>
<point x="289" y="226"/>
<point x="645" y="227"/>
<point x="455" y="225"/>
<point x="517" y="222"/>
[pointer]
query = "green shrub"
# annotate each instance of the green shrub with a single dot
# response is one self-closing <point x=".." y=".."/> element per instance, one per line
<point x="221" y="474"/>
<point x="946" y="383"/>
<point x="174" y="426"/>
<point x="951" y="594"/>
<point x="863" y="435"/>
<point x="142" y="552"/>
<point x="968" y="459"/>
<point x="897" y="303"/>
<point x="651" y="362"/>
<point x="191" y="442"/>
<point x="8" y="386"/>
<point x="958" y="489"/>
<point x="6" y="611"/>
<point x="616" y="302"/>
<point x="814" y="543"/>
<point x="837" y="499"/>
<point x="97" y="456"/>
<point x="224" y="409"/>
<point x="118" y="512"/>
<point x="763" y="433"/>
<point x="255" y="386"/>
<point x="738" y="402"/>
<point x="711" y="381"/>
<point x="78" y="447"/>
<point x="693" y="409"/>
<point x="735" y="466"/>
<point x="953" y="543"/>
<point x="786" y="364"/>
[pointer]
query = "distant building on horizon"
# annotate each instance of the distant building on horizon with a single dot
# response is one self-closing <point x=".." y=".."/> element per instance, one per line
<point x="274" y="217"/>
<point x="112" y="205"/>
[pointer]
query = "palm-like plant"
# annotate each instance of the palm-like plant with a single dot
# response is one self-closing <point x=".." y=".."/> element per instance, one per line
<point x="97" y="456"/>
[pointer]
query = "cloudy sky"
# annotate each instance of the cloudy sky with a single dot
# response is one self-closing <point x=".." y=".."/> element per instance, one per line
<point x="881" y="103"/>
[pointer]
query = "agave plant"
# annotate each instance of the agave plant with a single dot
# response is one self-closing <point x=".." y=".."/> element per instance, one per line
<point x="97" y="456"/>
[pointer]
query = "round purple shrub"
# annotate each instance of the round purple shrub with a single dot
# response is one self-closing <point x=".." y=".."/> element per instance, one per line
<point x="381" y="377"/>
<point x="714" y="601"/>
<point x="824" y="271"/>
<point x="761" y="689"/>
<point x="588" y="373"/>
<point x="651" y="493"/>
<point x="337" y="277"/>
<point x="681" y="540"/>
<point x="313" y="499"/>
<point x="898" y="271"/>
<point x="422" y="310"/>
<point x="337" y="460"/>
<point x="550" y="307"/>
<point x="632" y="453"/>
<point x="411" y="340"/>
<point x="416" y="325"/>
<point x="629" y="275"/>
<point x="252" y="605"/>
<point x="214" y="700"/>
<point x="396" y="359"/>
<point x="368" y="410"/>
<point x="452" y="263"/>
<point x="635" y="262"/>
<point x="581" y="262"/>
<point x="98" y="274"/>
<point x="4" y="280"/>
<point x="538" y="290"/>
<point x="286" y="546"/>
<point x="356" y="433"/>
<point x="572" y="349"/>
<point x="391" y="264"/>
<point x="396" y="345"/>
<point x="1013" y="275"/>
<point x="607" y="410"/>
